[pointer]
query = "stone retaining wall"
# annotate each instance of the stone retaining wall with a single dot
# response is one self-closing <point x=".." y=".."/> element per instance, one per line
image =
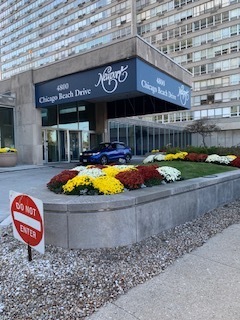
<point x="118" y="220"/>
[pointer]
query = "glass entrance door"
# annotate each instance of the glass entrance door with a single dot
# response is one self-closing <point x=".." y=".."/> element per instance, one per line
<point x="44" y="146"/>
<point x="55" y="145"/>
<point x="63" y="145"/>
<point x="66" y="145"/>
<point x="52" y="146"/>
<point x="75" y="145"/>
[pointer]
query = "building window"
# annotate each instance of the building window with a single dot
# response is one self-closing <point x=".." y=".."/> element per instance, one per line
<point x="204" y="99"/>
<point x="234" y="111"/>
<point x="203" y="69"/>
<point x="226" y="96"/>
<point x="6" y="127"/>
<point x="210" y="113"/>
<point x="196" y="101"/>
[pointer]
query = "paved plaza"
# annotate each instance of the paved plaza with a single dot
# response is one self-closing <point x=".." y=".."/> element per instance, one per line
<point x="202" y="285"/>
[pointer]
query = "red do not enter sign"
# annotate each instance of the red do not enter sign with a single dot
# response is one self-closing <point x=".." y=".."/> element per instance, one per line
<point x="27" y="217"/>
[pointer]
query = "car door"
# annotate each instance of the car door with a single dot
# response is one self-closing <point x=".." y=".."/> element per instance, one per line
<point x="119" y="151"/>
<point x="112" y="152"/>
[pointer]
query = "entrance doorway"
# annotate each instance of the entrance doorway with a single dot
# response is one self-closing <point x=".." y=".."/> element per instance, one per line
<point x="75" y="144"/>
<point x="66" y="145"/>
<point x="55" y="145"/>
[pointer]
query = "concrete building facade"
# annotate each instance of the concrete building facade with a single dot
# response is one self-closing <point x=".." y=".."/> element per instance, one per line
<point x="64" y="107"/>
<point x="45" y="40"/>
<point x="204" y="37"/>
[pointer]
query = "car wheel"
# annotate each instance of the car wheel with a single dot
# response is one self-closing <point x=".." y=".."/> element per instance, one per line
<point x="104" y="160"/>
<point x="128" y="158"/>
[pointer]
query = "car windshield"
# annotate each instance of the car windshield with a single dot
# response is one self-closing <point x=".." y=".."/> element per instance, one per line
<point x="96" y="149"/>
<point x="100" y="147"/>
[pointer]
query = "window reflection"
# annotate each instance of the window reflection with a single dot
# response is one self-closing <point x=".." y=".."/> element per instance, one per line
<point x="71" y="116"/>
<point x="25" y="34"/>
<point x="6" y="127"/>
<point x="144" y="138"/>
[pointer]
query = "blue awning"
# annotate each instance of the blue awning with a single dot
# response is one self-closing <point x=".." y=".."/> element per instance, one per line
<point x="131" y="77"/>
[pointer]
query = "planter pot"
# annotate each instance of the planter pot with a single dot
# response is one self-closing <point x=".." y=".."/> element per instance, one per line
<point x="8" y="159"/>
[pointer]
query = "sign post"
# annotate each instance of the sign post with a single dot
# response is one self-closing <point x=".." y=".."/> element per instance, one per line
<point x="27" y="218"/>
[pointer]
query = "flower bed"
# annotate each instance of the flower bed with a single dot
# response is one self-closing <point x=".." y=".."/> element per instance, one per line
<point x="231" y="160"/>
<point x="107" y="180"/>
<point x="8" y="157"/>
<point x="114" y="179"/>
<point x="118" y="220"/>
<point x="6" y="150"/>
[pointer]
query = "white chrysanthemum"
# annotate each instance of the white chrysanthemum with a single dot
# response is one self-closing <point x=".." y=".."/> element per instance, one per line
<point x="159" y="157"/>
<point x="170" y="174"/>
<point x="92" y="172"/>
<point x="149" y="158"/>
<point x="213" y="158"/>
<point x="225" y="160"/>
<point x="79" y="168"/>
<point x="123" y="166"/>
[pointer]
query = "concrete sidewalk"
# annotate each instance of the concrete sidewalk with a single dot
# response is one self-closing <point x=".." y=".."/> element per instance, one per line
<point x="202" y="285"/>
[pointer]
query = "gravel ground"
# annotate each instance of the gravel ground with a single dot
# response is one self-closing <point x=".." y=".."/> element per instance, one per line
<point x="72" y="284"/>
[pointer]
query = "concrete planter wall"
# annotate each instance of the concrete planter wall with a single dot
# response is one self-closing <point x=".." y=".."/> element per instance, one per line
<point x="8" y="159"/>
<point x="109" y="221"/>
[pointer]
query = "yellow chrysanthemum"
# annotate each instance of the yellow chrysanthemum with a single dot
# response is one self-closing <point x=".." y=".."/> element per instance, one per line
<point x="181" y="155"/>
<point x="170" y="157"/>
<point x="111" y="171"/>
<point x="6" y="149"/>
<point x="175" y="156"/>
<point x="77" y="181"/>
<point x="231" y="157"/>
<point x="108" y="185"/>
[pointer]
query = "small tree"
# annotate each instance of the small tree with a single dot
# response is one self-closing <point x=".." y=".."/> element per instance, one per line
<point x="203" y="127"/>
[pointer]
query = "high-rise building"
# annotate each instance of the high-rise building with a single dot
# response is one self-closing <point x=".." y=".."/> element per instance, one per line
<point x="36" y="33"/>
<point x="49" y="37"/>
<point x="69" y="66"/>
<point x="202" y="36"/>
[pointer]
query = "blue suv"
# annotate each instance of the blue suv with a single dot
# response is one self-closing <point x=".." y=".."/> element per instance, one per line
<point x="105" y="153"/>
